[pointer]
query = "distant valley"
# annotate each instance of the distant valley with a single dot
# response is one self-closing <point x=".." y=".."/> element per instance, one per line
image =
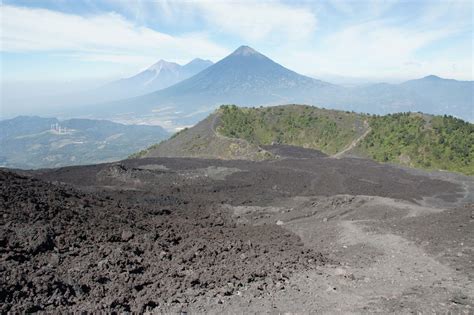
<point x="160" y="75"/>
<point x="34" y="142"/>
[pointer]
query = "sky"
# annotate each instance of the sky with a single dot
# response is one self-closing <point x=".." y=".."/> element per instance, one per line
<point x="92" y="40"/>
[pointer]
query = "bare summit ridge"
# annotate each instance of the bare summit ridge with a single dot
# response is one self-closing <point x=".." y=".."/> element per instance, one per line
<point x="245" y="51"/>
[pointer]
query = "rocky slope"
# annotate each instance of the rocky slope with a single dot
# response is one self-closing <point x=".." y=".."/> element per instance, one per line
<point x="203" y="141"/>
<point x="302" y="234"/>
<point x="62" y="249"/>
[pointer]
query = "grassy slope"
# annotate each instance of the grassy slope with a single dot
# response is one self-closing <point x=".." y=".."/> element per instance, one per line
<point x="306" y="126"/>
<point x="201" y="141"/>
<point x="430" y="142"/>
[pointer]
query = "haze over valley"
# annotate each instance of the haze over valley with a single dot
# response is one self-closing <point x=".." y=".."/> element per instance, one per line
<point x="248" y="78"/>
<point x="35" y="142"/>
<point x="175" y="96"/>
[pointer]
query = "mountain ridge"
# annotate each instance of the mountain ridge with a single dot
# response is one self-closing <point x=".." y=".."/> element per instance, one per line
<point x="249" y="78"/>
<point x="160" y="75"/>
<point x="245" y="77"/>
<point x="411" y="139"/>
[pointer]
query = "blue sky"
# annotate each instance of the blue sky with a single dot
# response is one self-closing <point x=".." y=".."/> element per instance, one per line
<point x="61" y="40"/>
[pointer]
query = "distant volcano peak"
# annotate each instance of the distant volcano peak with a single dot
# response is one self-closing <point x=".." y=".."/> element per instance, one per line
<point x="199" y="60"/>
<point x="245" y="51"/>
<point x="432" y="77"/>
<point x="163" y="64"/>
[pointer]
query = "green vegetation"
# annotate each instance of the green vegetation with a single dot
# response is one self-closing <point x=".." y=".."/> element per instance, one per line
<point x="306" y="126"/>
<point x="417" y="140"/>
<point x="412" y="139"/>
<point x="431" y="142"/>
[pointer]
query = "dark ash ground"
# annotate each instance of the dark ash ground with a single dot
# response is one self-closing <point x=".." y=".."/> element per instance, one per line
<point x="305" y="233"/>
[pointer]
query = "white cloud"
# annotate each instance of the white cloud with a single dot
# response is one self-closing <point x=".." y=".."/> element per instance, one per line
<point x="448" y="11"/>
<point x="358" y="38"/>
<point x="249" y="20"/>
<point x="114" y="58"/>
<point x="382" y="48"/>
<point x="356" y="8"/>
<point x="377" y="42"/>
<point x="97" y="36"/>
<point x="258" y="20"/>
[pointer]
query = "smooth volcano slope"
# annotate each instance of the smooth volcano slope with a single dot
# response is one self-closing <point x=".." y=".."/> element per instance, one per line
<point x="301" y="234"/>
<point x="245" y="77"/>
<point x="248" y="78"/>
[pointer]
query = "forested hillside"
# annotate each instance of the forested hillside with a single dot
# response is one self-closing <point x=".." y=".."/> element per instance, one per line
<point x="432" y="142"/>
<point x="306" y="126"/>
<point x="413" y="139"/>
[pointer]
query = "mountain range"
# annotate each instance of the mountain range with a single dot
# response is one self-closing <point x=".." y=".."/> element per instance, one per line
<point x="245" y="77"/>
<point x="248" y="78"/>
<point x="158" y="76"/>
<point x="64" y="100"/>
<point x="36" y="142"/>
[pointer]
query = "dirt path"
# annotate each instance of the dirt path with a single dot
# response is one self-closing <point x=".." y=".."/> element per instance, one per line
<point x="354" y="143"/>
<point x="377" y="270"/>
<point x="241" y="142"/>
<point x="403" y="275"/>
<point x="213" y="125"/>
<point x="382" y="273"/>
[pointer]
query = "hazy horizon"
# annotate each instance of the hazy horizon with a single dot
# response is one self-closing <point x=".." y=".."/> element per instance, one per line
<point x="53" y="49"/>
<point x="48" y="94"/>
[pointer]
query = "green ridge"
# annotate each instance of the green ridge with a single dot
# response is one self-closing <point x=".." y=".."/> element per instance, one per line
<point x="430" y="142"/>
<point x="327" y="130"/>
<point x="412" y="139"/>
